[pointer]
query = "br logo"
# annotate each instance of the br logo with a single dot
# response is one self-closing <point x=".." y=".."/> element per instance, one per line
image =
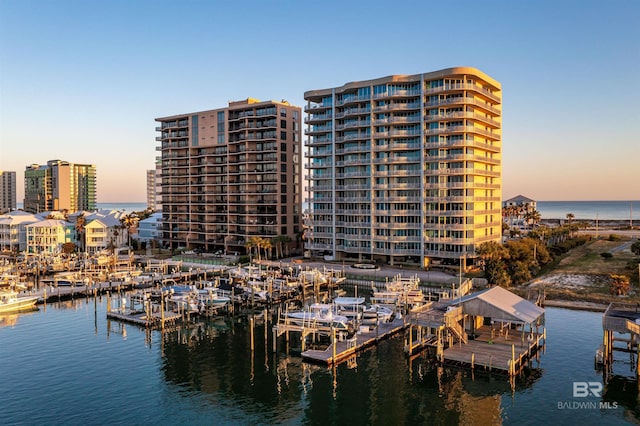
<point x="585" y="389"/>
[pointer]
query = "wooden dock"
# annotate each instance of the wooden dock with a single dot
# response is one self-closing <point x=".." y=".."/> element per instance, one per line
<point x="501" y="353"/>
<point x="343" y="349"/>
<point x="144" y="320"/>
<point x="619" y="320"/>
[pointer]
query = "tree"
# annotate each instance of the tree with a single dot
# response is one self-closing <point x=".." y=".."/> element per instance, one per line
<point x="619" y="284"/>
<point x="495" y="268"/>
<point x="635" y="248"/>
<point x="128" y="222"/>
<point x="81" y="222"/>
<point x="525" y="258"/>
<point x="267" y="246"/>
<point x="249" y="245"/>
<point x="532" y="217"/>
<point x="256" y="242"/>
<point x="570" y="217"/>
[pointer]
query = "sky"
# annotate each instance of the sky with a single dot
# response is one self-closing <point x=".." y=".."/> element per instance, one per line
<point x="83" y="81"/>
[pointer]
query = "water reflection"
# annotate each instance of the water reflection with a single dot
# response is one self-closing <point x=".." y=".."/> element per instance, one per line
<point x="214" y="357"/>
<point x="11" y="319"/>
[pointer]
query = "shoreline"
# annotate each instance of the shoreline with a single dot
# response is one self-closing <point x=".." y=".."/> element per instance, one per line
<point x="601" y="222"/>
<point x="575" y="305"/>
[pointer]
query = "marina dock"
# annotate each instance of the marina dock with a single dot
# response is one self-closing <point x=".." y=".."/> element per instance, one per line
<point x="618" y="321"/>
<point x="501" y="353"/>
<point x="342" y="349"/>
<point x="493" y="329"/>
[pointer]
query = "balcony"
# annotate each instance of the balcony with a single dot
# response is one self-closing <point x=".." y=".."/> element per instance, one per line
<point x="464" y="86"/>
<point x="463" y="129"/>
<point x="316" y="108"/>
<point x="353" y="111"/>
<point x="397" y="107"/>
<point x="352" y="99"/>
<point x="318" y="118"/>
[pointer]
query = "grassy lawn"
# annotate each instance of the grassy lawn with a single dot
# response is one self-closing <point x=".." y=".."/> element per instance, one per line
<point x="587" y="260"/>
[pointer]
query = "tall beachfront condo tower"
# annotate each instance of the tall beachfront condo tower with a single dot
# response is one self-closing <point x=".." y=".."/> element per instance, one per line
<point x="7" y="191"/>
<point x="405" y="168"/>
<point x="59" y="185"/>
<point x="231" y="176"/>
<point x="153" y="189"/>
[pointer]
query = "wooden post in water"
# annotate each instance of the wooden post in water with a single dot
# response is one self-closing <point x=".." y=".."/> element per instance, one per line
<point x="473" y="359"/>
<point x="162" y="310"/>
<point x="333" y="334"/>
<point x="108" y="302"/>
<point x="275" y="336"/>
<point x="410" y="340"/>
<point x="252" y="343"/>
<point x="513" y="359"/>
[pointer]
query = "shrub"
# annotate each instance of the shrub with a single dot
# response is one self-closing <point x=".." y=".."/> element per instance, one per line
<point x="614" y="237"/>
<point x="606" y="255"/>
<point x="619" y="284"/>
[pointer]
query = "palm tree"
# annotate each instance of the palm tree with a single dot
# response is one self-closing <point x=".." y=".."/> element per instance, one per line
<point x="532" y="217"/>
<point x="128" y="222"/>
<point x="81" y="222"/>
<point x="285" y="242"/>
<point x="249" y="245"/>
<point x="570" y="217"/>
<point x="267" y="246"/>
<point x="257" y="243"/>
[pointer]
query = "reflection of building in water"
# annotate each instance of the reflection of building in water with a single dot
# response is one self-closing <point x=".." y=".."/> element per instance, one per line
<point x="377" y="387"/>
<point x="470" y="409"/>
<point x="625" y="393"/>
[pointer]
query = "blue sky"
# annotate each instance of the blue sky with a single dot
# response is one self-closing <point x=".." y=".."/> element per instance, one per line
<point x="82" y="81"/>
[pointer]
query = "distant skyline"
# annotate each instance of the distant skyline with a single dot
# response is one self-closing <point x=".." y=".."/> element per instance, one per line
<point x="83" y="81"/>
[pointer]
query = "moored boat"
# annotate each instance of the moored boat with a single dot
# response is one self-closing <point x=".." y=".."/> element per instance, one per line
<point x="11" y="301"/>
<point x="321" y="315"/>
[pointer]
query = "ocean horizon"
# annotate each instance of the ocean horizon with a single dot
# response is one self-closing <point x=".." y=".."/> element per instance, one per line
<point x="590" y="210"/>
<point x="582" y="210"/>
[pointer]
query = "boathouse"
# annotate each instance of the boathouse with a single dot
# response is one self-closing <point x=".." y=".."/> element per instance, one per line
<point x="619" y="320"/>
<point x="501" y="307"/>
<point x="493" y="328"/>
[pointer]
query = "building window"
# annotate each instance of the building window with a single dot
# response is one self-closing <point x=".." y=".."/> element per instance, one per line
<point x="283" y="135"/>
<point x="283" y="124"/>
<point x="283" y="112"/>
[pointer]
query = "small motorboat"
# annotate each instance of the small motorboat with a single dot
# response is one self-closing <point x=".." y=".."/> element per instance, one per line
<point x="11" y="301"/>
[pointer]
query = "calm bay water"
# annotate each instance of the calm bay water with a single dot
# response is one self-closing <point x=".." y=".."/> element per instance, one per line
<point x="66" y="364"/>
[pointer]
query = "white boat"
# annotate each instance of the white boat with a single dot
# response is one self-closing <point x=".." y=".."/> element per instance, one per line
<point x="10" y="301"/>
<point x="378" y="313"/>
<point x="400" y="290"/>
<point x="350" y="307"/>
<point x="320" y="314"/>
<point x="209" y="298"/>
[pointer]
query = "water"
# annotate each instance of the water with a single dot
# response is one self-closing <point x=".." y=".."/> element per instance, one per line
<point x="127" y="207"/>
<point x="66" y="364"/>
<point x="590" y="210"/>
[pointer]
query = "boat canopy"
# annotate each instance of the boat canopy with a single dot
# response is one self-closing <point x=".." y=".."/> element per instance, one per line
<point x="500" y="305"/>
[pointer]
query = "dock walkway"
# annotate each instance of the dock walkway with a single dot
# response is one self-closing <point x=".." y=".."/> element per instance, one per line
<point x="502" y="352"/>
<point x="340" y="350"/>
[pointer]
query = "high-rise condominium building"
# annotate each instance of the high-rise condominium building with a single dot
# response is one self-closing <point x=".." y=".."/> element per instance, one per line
<point x="405" y="168"/>
<point x="231" y="174"/>
<point x="59" y="185"/>
<point x="153" y="189"/>
<point x="7" y="191"/>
